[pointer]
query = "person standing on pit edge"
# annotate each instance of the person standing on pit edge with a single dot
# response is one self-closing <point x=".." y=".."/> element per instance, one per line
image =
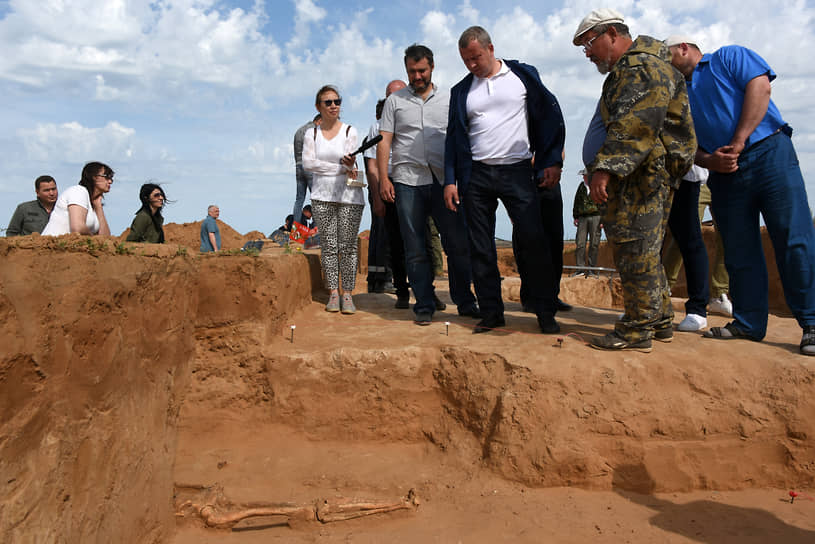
<point x="413" y="126"/>
<point x="747" y="147"/>
<point x="649" y="146"/>
<point x="501" y="115"/>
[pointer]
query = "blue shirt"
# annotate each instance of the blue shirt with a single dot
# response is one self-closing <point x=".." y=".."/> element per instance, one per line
<point x="716" y="93"/>
<point x="595" y="137"/>
<point x="209" y="225"/>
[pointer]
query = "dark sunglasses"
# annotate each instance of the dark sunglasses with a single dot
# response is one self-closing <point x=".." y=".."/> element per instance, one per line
<point x="336" y="102"/>
<point x="106" y="176"/>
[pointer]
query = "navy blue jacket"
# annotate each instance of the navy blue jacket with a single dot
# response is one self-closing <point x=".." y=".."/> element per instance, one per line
<point x="547" y="132"/>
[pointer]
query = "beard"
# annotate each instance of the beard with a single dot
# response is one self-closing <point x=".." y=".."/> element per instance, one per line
<point x="420" y="85"/>
<point x="603" y="65"/>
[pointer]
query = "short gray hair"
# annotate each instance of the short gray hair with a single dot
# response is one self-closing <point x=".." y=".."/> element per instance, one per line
<point x="476" y="33"/>
<point x="621" y="28"/>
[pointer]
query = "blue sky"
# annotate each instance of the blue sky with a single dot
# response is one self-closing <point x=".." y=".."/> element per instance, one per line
<point x="204" y="96"/>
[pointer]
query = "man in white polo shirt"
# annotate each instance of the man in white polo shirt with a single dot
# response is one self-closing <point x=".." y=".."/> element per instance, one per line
<point x="413" y="125"/>
<point x="501" y="115"/>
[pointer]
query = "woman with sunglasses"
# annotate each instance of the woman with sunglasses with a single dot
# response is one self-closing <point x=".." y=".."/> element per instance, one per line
<point x="148" y="225"/>
<point x="79" y="208"/>
<point x="336" y="204"/>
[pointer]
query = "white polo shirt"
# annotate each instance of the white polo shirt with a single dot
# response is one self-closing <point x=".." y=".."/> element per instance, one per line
<point x="496" y="111"/>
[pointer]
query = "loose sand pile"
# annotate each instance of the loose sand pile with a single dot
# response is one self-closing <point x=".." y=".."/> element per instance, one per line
<point x="189" y="235"/>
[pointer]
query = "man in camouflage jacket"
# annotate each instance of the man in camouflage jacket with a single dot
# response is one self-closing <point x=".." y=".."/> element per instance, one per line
<point x="650" y="144"/>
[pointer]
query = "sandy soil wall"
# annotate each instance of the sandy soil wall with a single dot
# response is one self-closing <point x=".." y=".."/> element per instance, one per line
<point x="95" y="358"/>
<point x="666" y="426"/>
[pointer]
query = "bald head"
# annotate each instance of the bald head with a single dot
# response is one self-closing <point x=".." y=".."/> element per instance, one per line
<point x="394" y="86"/>
<point x="684" y="56"/>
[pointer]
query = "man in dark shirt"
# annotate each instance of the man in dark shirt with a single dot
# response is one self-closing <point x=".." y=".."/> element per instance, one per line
<point x="33" y="216"/>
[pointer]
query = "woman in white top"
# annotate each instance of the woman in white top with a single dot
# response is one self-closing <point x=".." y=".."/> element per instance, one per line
<point x="337" y="206"/>
<point x="79" y="208"/>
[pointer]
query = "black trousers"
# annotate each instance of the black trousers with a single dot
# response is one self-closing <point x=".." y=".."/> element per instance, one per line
<point x="551" y="207"/>
<point x="515" y="187"/>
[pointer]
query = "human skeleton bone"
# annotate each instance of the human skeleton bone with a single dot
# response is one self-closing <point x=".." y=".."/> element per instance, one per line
<point x="211" y="505"/>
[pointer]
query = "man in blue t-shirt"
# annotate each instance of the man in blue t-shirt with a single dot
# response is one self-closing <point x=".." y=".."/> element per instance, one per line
<point x="210" y="233"/>
<point x="746" y="145"/>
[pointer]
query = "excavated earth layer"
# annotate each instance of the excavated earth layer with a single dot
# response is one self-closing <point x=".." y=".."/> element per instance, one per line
<point x="130" y="375"/>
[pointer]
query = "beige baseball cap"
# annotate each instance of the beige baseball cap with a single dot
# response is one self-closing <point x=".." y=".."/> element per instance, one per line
<point x="600" y="16"/>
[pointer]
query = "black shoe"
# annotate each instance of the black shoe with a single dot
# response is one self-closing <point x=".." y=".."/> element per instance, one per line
<point x="807" y="345"/>
<point x="472" y="311"/>
<point x="547" y="323"/>
<point x="402" y="302"/>
<point x="561" y="306"/>
<point x="388" y="287"/>
<point x="613" y="342"/>
<point x="440" y="306"/>
<point x="423" y="318"/>
<point x="664" y="335"/>
<point x="489" y="323"/>
<point x="377" y="287"/>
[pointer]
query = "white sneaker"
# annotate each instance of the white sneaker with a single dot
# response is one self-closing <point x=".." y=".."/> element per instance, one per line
<point x="721" y="306"/>
<point x="692" y="322"/>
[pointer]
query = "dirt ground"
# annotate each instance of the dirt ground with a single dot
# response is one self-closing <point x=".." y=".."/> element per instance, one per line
<point x="135" y="378"/>
<point x="505" y="437"/>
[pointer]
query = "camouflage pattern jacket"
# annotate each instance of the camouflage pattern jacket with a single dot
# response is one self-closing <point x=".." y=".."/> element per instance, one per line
<point x="583" y="204"/>
<point x="650" y="137"/>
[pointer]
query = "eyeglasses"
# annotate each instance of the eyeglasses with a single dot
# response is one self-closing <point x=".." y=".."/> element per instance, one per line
<point x="336" y="102"/>
<point x="106" y="176"/>
<point x="589" y="43"/>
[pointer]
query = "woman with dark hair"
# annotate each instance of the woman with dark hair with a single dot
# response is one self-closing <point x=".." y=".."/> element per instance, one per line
<point x="79" y="208"/>
<point x="148" y="225"/>
<point x="336" y="198"/>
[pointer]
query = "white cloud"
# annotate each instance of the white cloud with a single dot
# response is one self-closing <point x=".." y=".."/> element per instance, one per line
<point x="439" y="27"/>
<point x="66" y="142"/>
<point x="106" y="92"/>
<point x="156" y="48"/>
<point x="308" y="11"/>
<point x="306" y="14"/>
<point x="468" y="13"/>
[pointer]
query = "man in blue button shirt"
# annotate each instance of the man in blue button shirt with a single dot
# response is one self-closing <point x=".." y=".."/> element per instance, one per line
<point x="210" y="233"/>
<point x="746" y="145"/>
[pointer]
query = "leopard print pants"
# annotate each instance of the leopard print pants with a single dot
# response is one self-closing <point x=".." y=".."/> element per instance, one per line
<point x="338" y="224"/>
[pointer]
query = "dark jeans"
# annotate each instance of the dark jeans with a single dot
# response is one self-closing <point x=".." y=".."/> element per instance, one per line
<point x="768" y="182"/>
<point x="685" y="229"/>
<point x="377" y="250"/>
<point x="415" y="205"/>
<point x="514" y="185"/>
<point x="397" y="250"/>
<point x="551" y="206"/>
<point x="303" y="185"/>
